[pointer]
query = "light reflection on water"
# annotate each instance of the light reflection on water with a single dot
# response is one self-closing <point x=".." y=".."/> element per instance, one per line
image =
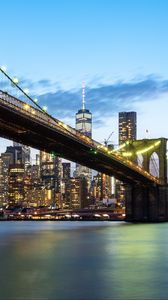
<point x="83" y="260"/>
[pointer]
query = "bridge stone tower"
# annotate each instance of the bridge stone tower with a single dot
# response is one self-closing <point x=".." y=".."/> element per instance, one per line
<point x="148" y="203"/>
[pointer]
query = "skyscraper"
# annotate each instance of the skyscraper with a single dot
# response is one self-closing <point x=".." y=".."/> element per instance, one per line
<point x="66" y="170"/>
<point x="84" y="125"/>
<point x="127" y="131"/>
<point x="25" y="153"/>
<point x="16" y="184"/>
<point x="127" y="126"/>
<point x="84" y="117"/>
<point x="51" y="169"/>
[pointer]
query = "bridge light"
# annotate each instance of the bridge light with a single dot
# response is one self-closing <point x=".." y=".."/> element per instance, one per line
<point x="64" y="125"/>
<point x="44" y="108"/>
<point x="53" y="154"/>
<point x="148" y="148"/>
<point x="26" y="91"/>
<point x="127" y="154"/>
<point x="35" y="100"/>
<point x="3" y="68"/>
<point x="15" y="80"/>
<point x="26" y="106"/>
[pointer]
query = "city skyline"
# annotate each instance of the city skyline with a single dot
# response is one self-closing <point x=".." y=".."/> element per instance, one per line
<point x="95" y="42"/>
<point x="84" y="166"/>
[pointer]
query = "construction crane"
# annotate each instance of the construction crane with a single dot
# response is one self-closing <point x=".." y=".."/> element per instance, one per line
<point x="107" y="140"/>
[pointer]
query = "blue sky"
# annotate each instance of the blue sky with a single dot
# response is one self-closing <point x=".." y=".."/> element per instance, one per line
<point x="119" y="47"/>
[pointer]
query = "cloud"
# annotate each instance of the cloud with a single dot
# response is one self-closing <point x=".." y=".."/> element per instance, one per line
<point x="105" y="100"/>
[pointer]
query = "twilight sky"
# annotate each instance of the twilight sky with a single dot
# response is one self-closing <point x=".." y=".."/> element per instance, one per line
<point x="118" y="47"/>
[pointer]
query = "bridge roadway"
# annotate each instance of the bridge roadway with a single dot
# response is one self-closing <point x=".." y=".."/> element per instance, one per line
<point x="28" y="125"/>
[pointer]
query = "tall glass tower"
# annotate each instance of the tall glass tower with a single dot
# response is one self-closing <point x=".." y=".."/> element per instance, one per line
<point x="84" y="125"/>
<point x="84" y="117"/>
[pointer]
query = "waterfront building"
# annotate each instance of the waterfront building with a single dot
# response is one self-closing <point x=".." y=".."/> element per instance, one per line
<point x="75" y="193"/>
<point x="85" y="198"/>
<point x="34" y="191"/>
<point x="5" y="161"/>
<point x="51" y="173"/>
<point x="96" y="187"/>
<point x="65" y="184"/>
<point x="16" y="184"/>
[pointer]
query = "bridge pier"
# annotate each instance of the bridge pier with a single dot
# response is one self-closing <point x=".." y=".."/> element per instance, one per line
<point x="147" y="203"/>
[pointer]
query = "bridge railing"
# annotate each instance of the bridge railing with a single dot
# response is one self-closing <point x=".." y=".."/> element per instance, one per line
<point x="54" y="123"/>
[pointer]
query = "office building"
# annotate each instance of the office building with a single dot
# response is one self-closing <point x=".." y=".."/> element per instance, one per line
<point x="84" y="125"/>
<point x="51" y="173"/>
<point x="127" y="126"/>
<point x="65" y="184"/>
<point x="34" y="190"/>
<point x="127" y="131"/>
<point x="75" y="193"/>
<point x="66" y="170"/>
<point x="25" y="153"/>
<point x="16" y="184"/>
<point x="6" y="160"/>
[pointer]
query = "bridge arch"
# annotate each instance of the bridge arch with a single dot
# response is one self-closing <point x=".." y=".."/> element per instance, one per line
<point x="154" y="161"/>
<point x="140" y="160"/>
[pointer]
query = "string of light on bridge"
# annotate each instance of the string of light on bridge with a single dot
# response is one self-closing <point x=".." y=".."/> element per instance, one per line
<point x="142" y="151"/>
<point x="15" y="83"/>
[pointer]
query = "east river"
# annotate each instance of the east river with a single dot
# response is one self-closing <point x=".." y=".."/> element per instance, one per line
<point x="83" y="260"/>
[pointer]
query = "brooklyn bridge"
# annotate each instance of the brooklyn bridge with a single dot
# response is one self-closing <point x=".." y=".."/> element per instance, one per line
<point x="28" y="123"/>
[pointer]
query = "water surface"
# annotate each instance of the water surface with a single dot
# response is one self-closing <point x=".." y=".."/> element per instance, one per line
<point x="83" y="260"/>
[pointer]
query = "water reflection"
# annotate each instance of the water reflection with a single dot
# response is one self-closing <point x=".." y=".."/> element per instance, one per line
<point x="83" y="260"/>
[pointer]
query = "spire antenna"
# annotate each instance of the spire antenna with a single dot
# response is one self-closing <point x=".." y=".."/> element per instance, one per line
<point x="83" y="95"/>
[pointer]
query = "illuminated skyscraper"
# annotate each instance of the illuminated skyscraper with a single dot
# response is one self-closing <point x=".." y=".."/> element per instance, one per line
<point x="127" y="131"/>
<point x="127" y="126"/>
<point x="16" y="184"/>
<point x="51" y="169"/>
<point x="84" y="125"/>
<point x="5" y="161"/>
<point x="84" y="117"/>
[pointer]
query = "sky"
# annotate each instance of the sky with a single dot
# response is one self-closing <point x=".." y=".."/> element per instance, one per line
<point x="118" y="47"/>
